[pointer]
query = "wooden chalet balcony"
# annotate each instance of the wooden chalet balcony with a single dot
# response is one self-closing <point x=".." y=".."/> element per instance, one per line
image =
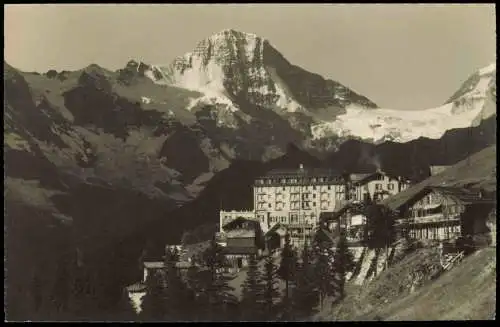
<point x="435" y="218"/>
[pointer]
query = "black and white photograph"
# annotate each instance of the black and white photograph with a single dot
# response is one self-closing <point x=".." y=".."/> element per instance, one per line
<point x="249" y="162"/>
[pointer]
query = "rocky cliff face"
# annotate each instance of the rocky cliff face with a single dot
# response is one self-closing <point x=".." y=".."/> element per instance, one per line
<point x="236" y="65"/>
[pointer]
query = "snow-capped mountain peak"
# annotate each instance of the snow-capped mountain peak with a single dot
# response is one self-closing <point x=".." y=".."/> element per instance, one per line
<point x="234" y="70"/>
<point x="472" y="103"/>
<point x="232" y="64"/>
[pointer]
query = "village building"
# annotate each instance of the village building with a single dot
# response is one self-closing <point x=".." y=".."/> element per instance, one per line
<point x="443" y="213"/>
<point x="349" y="219"/>
<point x="137" y="290"/>
<point x="243" y="238"/>
<point x="227" y="216"/>
<point x="296" y="198"/>
<point x="375" y="186"/>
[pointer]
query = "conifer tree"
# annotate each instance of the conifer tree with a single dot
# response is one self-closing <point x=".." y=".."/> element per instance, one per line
<point x="270" y="278"/>
<point x="252" y="292"/>
<point x="195" y="282"/>
<point x="288" y="265"/>
<point x="216" y="286"/>
<point x="323" y="267"/>
<point x="287" y="272"/>
<point x="379" y="229"/>
<point x="305" y="296"/>
<point x="343" y="262"/>
<point x="154" y="302"/>
<point x="177" y="293"/>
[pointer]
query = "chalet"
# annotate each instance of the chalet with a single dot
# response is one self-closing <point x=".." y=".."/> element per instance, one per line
<point x="275" y="237"/>
<point x="226" y="217"/>
<point x="244" y="238"/>
<point x="348" y="218"/>
<point x="375" y="186"/>
<point x="443" y="213"/>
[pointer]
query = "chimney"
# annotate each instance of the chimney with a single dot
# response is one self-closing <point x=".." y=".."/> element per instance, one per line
<point x="301" y="167"/>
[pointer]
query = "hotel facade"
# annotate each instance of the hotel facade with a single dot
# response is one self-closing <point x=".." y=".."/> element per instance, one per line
<point x="296" y="198"/>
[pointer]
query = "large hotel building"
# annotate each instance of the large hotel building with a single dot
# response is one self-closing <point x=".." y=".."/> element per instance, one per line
<point x="294" y="199"/>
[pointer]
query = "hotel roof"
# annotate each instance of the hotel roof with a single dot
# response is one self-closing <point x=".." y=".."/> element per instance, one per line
<point x="304" y="172"/>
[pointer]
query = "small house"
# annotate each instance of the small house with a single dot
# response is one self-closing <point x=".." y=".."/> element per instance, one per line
<point x="376" y="186"/>
<point x="243" y="238"/>
<point x="275" y="237"/>
<point x="349" y="218"/>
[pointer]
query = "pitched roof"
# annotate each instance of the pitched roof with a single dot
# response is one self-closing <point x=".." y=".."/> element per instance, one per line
<point x="466" y="196"/>
<point x="364" y="178"/>
<point x="275" y="227"/>
<point x="154" y="264"/>
<point x="240" y="219"/>
<point x="479" y="170"/>
<point x="240" y="233"/>
<point x="339" y="211"/>
<point x="358" y="177"/>
<point x="137" y="287"/>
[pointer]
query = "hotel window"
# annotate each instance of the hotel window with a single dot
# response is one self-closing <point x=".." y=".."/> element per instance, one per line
<point x="313" y="180"/>
<point x="269" y="205"/>
<point x="283" y="188"/>
<point x="378" y="186"/>
<point x="314" y="187"/>
<point x="329" y="187"/>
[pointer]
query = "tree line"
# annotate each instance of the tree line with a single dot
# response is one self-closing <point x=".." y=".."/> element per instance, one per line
<point x="292" y="287"/>
<point x="204" y="293"/>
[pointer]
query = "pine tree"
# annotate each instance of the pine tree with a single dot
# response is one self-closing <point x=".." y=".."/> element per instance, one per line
<point x="323" y="268"/>
<point x="196" y="286"/>
<point x="252" y="292"/>
<point x="177" y="293"/>
<point x="270" y="278"/>
<point x="379" y="228"/>
<point x="343" y="262"/>
<point x="216" y="285"/>
<point x="288" y="265"/>
<point x="305" y="296"/>
<point x="287" y="272"/>
<point x="154" y="302"/>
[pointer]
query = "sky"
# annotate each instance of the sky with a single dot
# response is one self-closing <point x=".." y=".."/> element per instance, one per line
<point x="401" y="56"/>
